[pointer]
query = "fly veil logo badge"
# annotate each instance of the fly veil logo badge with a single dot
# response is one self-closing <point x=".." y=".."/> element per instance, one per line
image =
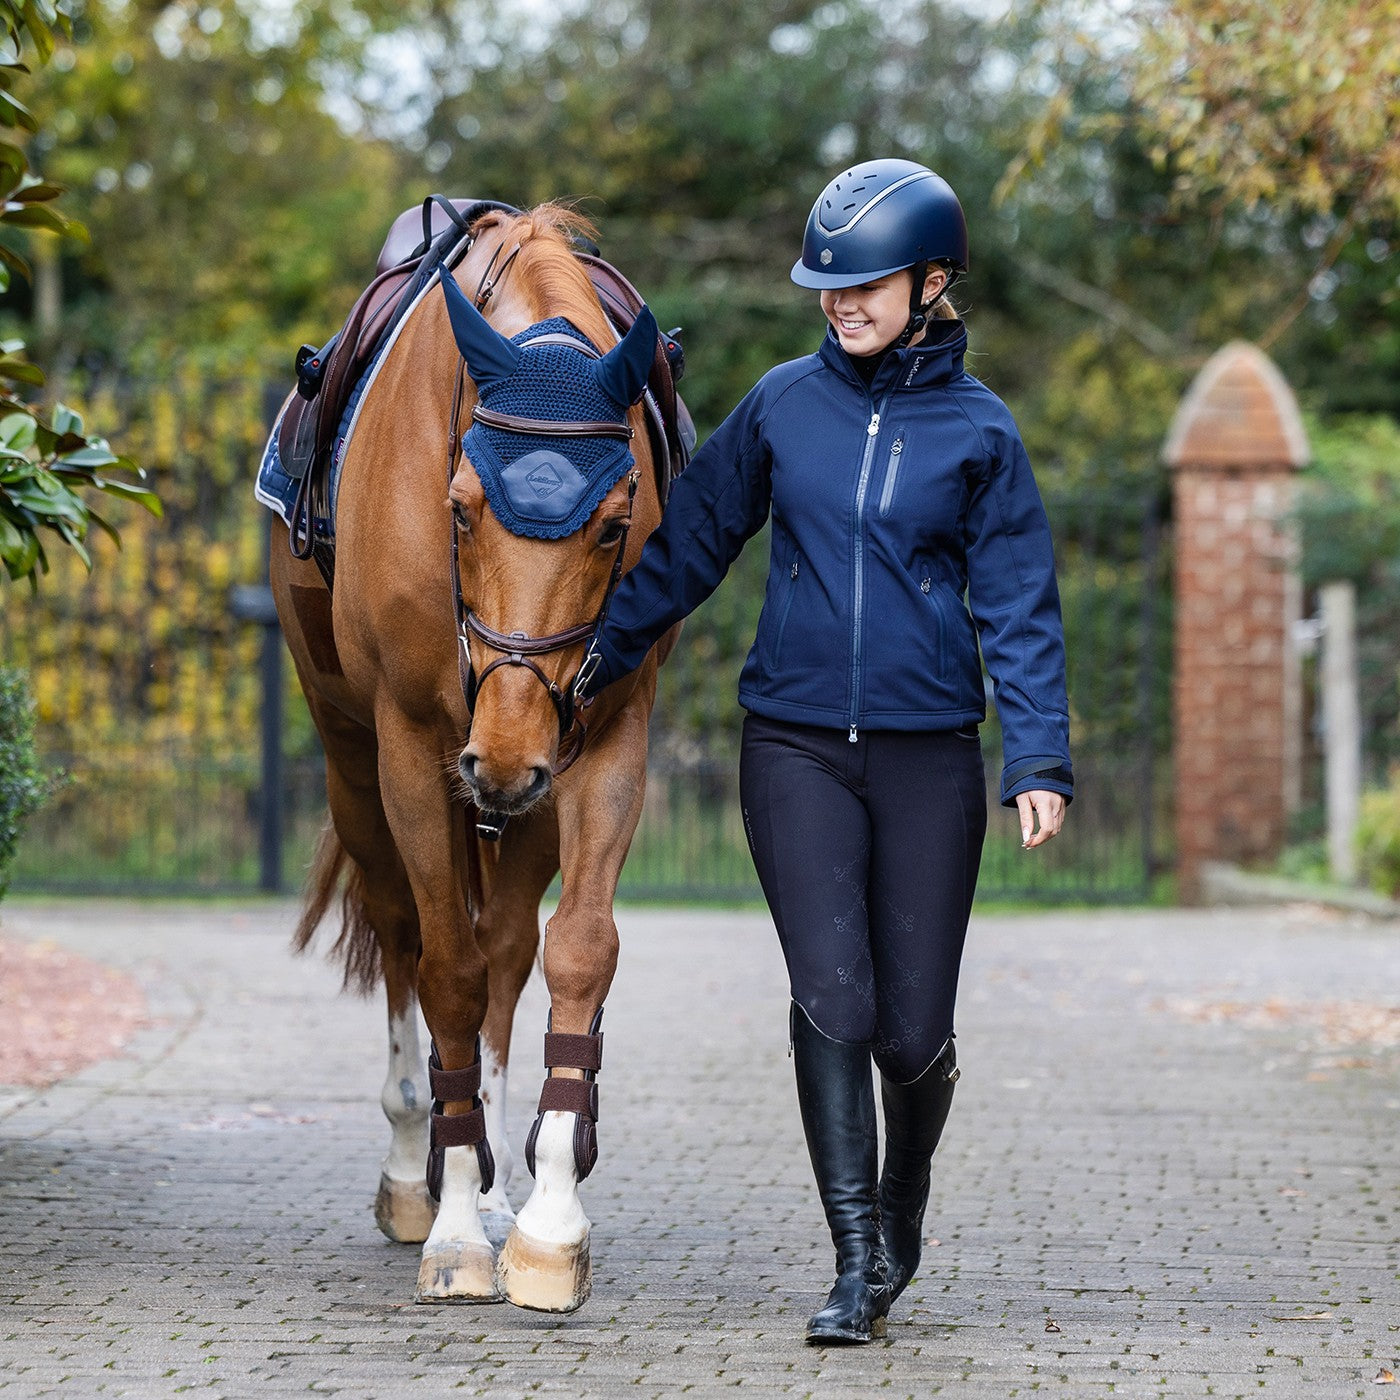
<point x="545" y="480"/>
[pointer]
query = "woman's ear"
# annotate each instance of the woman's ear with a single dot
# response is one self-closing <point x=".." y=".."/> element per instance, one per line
<point x="934" y="285"/>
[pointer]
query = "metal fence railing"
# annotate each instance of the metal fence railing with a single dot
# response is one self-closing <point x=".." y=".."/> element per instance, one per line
<point x="152" y="693"/>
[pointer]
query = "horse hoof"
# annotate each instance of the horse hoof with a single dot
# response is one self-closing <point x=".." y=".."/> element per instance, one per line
<point x="458" y="1273"/>
<point x="545" y="1277"/>
<point x="403" y="1210"/>
<point x="497" y="1224"/>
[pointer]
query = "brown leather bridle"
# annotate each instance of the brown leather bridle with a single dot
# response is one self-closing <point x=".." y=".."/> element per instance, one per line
<point x="519" y="648"/>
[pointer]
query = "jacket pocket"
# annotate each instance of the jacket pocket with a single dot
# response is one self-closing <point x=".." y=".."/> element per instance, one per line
<point x="891" y="474"/>
<point x="932" y="592"/>
<point x="789" y="592"/>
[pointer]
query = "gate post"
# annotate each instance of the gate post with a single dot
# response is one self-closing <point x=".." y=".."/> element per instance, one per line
<point x="1234" y="447"/>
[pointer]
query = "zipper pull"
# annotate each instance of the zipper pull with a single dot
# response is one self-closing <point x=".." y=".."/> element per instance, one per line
<point x="794" y="568"/>
<point x="853" y="736"/>
<point x="873" y="429"/>
<point x="898" y="447"/>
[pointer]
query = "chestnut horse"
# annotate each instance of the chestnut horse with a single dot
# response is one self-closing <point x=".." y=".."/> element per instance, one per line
<point x="448" y="920"/>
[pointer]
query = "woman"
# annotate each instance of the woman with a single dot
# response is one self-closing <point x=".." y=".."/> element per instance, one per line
<point x="896" y="483"/>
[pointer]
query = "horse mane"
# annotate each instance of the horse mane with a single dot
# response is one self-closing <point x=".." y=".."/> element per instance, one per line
<point x="558" y="283"/>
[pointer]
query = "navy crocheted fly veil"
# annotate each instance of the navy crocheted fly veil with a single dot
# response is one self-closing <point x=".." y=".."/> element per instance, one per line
<point x="531" y="486"/>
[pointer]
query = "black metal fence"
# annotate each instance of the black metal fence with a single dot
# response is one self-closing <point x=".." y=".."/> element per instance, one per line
<point x="189" y="763"/>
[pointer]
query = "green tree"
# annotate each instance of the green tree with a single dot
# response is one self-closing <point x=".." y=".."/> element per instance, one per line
<point x="49" y="468"/>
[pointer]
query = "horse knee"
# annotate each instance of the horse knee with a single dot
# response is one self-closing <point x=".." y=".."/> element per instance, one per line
<point x="453" y="993"/>
<point x="580" y="955"/>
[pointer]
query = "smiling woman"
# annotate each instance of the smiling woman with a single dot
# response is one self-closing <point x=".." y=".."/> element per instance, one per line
<point x="897" y="485"/>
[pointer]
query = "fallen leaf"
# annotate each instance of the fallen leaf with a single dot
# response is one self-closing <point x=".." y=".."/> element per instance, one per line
<point x="1303" y="1317"/>
<point x="1383" y="1377"/>
<point x="1290" y="1191"/>
<point x="1051" y="1325"/>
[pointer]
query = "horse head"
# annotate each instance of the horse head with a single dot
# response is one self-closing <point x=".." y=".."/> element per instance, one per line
<point x="552" y="494"/>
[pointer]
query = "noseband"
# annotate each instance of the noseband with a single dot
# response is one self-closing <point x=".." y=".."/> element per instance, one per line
<point x="519" y="648"/>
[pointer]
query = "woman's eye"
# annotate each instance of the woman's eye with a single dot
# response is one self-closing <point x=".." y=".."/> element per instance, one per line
<point x="612" y="532"/>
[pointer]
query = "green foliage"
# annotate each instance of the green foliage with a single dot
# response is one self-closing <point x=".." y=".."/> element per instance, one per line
<point x="229" y="211"/>
<point x="22" y="784"/>
<point x="1349" y="528"/>
<point x="48" y="466"/>
<point x="1378" y="837"/>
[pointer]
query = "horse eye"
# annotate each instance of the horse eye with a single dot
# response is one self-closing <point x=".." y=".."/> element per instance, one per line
<point x="460" y="516"/>
<point x="611" y="532"/>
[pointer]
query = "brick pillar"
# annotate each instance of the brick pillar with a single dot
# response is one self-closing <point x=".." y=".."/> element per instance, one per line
<point x="1234" y="447"/>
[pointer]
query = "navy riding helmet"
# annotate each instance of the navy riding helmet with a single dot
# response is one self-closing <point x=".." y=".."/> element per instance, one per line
<point x="876" y="218"/>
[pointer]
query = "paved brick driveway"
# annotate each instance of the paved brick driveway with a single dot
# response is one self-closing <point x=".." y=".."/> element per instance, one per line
<point x="1175" y="1139"/>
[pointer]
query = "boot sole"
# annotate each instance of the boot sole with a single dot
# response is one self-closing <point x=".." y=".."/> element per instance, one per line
<point x="841" y="1337"/>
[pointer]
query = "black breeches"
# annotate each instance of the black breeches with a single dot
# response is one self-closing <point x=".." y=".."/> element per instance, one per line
<point x="868" y="856"/>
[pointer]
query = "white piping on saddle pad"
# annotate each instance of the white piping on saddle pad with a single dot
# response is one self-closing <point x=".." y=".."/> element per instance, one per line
<point x="275" y="503"/>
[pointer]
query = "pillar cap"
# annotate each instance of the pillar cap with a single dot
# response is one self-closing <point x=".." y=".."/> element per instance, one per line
<point x="1238" y="412"/>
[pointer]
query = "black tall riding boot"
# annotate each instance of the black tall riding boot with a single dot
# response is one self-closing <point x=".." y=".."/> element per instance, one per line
<point x="836" y="1093"/>
<point x="914" y="1118"/>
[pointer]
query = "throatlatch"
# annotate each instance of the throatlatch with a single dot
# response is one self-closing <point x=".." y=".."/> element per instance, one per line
<point x="580" y="1096"/>
<point x="457" y="1129"/>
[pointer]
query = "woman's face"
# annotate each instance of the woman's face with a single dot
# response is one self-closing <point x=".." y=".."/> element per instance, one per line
<point x="868" y="318"/>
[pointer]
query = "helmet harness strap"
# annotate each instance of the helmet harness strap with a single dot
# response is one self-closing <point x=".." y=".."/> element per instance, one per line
<point x="918" y="311"/>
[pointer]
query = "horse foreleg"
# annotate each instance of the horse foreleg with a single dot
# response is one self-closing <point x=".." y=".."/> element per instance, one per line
<point x="546" y="1262"/>
<point x="429" y="831"/>
<point x="507" y="931"/>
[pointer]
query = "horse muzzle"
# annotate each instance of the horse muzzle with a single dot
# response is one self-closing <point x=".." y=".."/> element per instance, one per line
<point x="494" y="792"/>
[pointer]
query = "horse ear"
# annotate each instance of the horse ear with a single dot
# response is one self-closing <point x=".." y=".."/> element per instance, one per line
<point x="622" y="372"/>
<point x="489" y="355"/>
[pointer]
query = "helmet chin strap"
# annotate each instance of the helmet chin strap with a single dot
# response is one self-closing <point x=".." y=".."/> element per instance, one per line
<point x="918" y="311"/>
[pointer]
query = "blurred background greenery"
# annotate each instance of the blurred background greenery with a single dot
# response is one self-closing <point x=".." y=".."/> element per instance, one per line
<point x="1141" y="186"/>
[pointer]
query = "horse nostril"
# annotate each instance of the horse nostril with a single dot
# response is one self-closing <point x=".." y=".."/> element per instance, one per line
<point x="466" y="766"/>
<point x="540" y="783"/>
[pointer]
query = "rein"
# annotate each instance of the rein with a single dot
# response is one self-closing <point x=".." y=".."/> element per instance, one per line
<point x="519" y="648"/>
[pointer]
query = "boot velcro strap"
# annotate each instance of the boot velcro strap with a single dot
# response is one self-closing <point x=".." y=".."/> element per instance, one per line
<point x="458" y="1129"/>
<point x="562" y="1051"/>
<point x="570" y="1096"/>
<point x="455" y="1085"/>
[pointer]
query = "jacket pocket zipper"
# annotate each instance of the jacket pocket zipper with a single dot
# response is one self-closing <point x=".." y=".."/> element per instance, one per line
<point x="891" y="474"/>
<point x="787" y="608"/>
<point x="927" y="588"/>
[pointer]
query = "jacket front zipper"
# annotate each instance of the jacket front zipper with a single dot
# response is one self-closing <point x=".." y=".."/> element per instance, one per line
<point x="872" y="436"/>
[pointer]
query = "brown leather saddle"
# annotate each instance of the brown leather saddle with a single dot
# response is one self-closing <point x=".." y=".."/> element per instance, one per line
<point x="419" y="243"/>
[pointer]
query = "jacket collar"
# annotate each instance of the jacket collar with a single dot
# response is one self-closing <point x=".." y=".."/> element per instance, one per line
<point x="935" y="360"/>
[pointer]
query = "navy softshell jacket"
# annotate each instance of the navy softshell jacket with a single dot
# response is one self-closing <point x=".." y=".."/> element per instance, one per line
<point x="889" y="504"/>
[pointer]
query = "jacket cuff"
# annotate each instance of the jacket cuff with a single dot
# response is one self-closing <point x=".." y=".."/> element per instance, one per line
<point x="1036" y="775"/>
<point x="610" y="666"/>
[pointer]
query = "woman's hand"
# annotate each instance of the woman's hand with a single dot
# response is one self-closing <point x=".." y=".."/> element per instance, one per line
<point x="1046" y="807"/>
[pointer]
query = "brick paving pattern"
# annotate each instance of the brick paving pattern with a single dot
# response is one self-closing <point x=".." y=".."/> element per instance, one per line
<point x="1162" y="1145"/>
